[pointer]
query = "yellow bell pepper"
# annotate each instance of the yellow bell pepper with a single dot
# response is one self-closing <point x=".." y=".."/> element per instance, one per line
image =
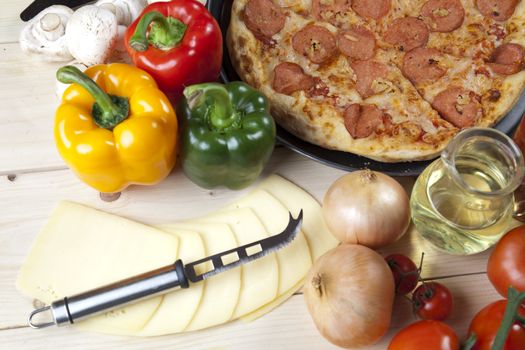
<point x="114" y="127"/>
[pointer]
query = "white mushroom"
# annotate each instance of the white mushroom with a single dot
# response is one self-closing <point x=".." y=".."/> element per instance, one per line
<point x="61" y="87"/>
<point x="44" y="34"/>
<point x="92" y="34"/>
<point x="125" y="10"/>
<point x="120" y="54"/>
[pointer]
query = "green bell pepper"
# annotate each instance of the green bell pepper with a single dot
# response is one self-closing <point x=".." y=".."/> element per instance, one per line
<point x="227" y="134"/>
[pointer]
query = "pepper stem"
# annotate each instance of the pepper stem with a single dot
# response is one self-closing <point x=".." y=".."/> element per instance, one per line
<point x="514" y="300"/>
<point x="216" y="101"/>
<point x="108" y="110"/>
<point x="165" y="32"/>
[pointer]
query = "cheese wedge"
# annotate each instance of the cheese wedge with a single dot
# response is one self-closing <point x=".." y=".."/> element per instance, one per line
<point x="81" y="248"/>
<point x="221" y="292"/>
<point x="260" y="278"/>
<point x="294" y="198"/>
<point x="294" y="259"/>
<point x="177" y="308"/>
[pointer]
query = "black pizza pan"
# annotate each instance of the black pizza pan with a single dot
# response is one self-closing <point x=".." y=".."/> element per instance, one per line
<point x="221" y="10"/>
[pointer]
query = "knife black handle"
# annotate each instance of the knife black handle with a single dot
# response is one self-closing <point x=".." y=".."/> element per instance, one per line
<point x="38" y="5"/>
<point x="130" y="290"/>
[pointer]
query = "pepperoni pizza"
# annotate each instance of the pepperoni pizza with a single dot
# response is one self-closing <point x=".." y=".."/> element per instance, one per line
<point x="392" y="80"/>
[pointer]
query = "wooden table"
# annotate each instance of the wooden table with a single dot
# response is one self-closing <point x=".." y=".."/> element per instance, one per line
<point x="33" y="179"/>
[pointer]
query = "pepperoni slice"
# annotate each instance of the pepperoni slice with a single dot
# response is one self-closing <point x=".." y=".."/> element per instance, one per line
<point x="362" y="120"/>
<point x="329" y="10"/>
<point x="315" y="42"/>
<point x="368" y="73"/>
<point x="457" y="106"/>
<point x="443" y="15"/>
<point x="407" y="33"/>
<point x="499" y="10"/>
<point x="422" y="64"/>
<point x="263" y="18"/>
<point x="357" y="43"/>
<point x="375" y="9"/>
<point x="290" y="77"/>
<point x="508" y="59"/>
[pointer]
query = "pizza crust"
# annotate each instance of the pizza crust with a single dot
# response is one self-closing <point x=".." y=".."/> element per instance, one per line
<point x="511" y="91"/>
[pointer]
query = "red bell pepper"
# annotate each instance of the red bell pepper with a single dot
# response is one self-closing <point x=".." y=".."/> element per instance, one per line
<point x="178" y="42"/>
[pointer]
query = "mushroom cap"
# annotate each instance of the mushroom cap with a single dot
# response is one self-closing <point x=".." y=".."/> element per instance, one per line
<point x="51" y="44"/>
<point x="125" y="10"/>
<point x="91" y="34"/>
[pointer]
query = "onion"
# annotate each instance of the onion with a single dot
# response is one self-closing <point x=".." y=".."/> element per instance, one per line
<point x="350" y="292"/>
<point x="366" y="207"/>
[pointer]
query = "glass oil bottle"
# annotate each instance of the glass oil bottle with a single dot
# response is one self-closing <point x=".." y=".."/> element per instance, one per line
<point x="463" y="202"/>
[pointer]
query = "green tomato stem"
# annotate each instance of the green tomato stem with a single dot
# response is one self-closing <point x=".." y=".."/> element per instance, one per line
<point x="420" y="268"/>
<point x="514" y="301"/>
<point x="470" y="342"/>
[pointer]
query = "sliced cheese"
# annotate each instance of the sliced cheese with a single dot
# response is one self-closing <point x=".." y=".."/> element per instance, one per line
<point x="81" y="248"/>
<point x="294" y="259"/>
<point x="252" y="316"/>
<point x="178" y="308"/>
<point x="294" y="198"/>
<point x="221" y="292"/>
<point x="260" y="277"/>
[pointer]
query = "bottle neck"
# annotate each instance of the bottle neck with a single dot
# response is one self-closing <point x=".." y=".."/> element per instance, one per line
<point x="484" y="162"/>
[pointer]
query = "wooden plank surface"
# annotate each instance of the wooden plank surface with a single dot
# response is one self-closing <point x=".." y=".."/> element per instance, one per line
<point x="10" y="22"/>
<point x="38" y="179"/>
<point x="27" y="109"/>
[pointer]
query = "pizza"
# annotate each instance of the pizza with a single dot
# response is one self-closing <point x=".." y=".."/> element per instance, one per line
<point x="391" y="80"/>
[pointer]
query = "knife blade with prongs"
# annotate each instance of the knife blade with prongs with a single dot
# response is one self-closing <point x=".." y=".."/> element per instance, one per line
<point x="163" y="280"/>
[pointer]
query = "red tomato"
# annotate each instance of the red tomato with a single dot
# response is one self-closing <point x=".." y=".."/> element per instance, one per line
<point x="425" y="335"/>
<point x="405" y="272"/>
<point x="486" y="323"/>
<point x="506" y="266"/>
<point x="432" y="301"/>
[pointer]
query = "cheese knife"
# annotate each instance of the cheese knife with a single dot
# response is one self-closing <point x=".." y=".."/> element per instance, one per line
<point x="69" y="310"/>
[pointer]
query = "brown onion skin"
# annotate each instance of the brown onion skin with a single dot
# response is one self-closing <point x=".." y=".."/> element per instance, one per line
<point x="366" y="207"/>
<point x="352" y="306"/>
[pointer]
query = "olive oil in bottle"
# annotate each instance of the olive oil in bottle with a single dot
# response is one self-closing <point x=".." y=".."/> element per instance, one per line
<point x="463" y="202"/>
